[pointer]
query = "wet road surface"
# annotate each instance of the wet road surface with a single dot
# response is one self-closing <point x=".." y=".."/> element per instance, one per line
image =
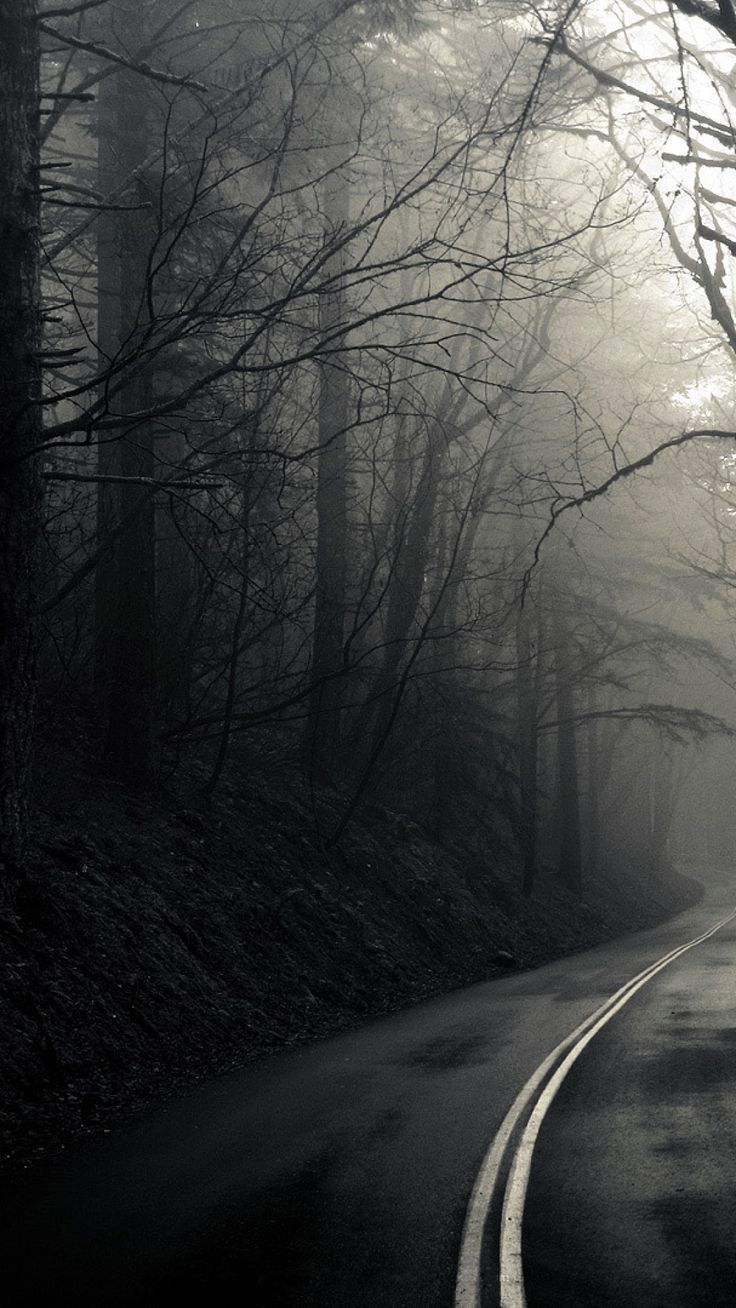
<point x="632" y="1201"/>
<point x="340" y="1174"/>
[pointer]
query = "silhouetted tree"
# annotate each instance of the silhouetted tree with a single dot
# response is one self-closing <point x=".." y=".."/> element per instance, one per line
<point x="20" y="372"/>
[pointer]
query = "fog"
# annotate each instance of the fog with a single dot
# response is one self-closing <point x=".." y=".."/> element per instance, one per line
<point x="386" y="416"/>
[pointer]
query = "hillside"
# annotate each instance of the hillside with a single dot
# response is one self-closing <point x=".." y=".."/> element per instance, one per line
<point x="165" y="940"/>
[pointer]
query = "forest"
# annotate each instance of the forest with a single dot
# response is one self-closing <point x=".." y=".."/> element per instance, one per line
<point x="369" y="476"/>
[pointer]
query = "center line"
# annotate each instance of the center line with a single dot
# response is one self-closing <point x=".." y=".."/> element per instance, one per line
<point x="511" y="1277"/>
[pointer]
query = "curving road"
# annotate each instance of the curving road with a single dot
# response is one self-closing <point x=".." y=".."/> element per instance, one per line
<point x="340" y="1174"/>
<point x="632" y="1200"/>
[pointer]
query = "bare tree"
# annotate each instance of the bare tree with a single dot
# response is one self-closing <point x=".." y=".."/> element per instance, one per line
<point x="20" y="368"/>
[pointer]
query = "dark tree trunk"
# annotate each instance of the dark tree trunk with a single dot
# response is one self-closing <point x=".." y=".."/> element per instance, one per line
<point x="528" y="739"/>
<point x="662" y="797"/>
<point x="410" y="550"/>
<point x="108" y="342"/>
<point x="239" y="621"/>
<point x="570" y="865"/>
<point x="132" y="730"/>
<point x="408" y="580"/>
<point x="593" y="799"/>
<point x="446" y="772"/>
<point x="322" y="739"/>
<point x="20" y="482"/>
<point x="131" y="717"/>
<point x="175" y="594"/>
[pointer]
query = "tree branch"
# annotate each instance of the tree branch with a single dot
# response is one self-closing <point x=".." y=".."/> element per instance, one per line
<point x="707" y="125"/>
<point x="154" y="482"/>
<point x="102" y="52"/>
<point x="72" y="11"/>
<point x="710" y="234"/>
<point x="630" y="470"/>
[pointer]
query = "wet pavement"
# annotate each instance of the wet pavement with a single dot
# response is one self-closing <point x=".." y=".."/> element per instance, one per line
<point x="339" y="1174"/>
<point x="632" y="1201"/>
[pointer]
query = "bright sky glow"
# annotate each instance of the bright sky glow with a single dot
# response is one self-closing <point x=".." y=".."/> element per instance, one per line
<point x="699" y="397"/>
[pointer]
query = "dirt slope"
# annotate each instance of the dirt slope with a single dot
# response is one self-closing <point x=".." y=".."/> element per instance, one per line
<point x="165" y="941"/>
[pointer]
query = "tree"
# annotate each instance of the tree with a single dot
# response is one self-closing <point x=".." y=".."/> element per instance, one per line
<point x="130" y="263"/>
<point x="528" y="675"/>
<point x="337" y="355"/>
<point x="570" y="868"/>
<point x="322" y="745"/>
<point x="20" y="371"/>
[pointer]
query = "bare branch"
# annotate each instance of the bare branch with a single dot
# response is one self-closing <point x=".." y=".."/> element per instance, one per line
<point x="710" y="234"/>
<point x="153" y="482"/>
<point x="709" y="126"/>
<point x="72" y="11"/>
<point x="629" y="470"/>
<point x="102" y="52"/>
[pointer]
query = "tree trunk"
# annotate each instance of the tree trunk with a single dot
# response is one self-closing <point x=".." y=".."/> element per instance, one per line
<point x="108" y="343"/>
<point x="20" y="483"/>
<point x="527" y="728"/>
<point x="570" y="865"/>
<point x="236" y="636"/>
<point x="661" y="808"/>
<point x="593" y="798"/>
<point x="410" y="547"/>
<point x="131" y="743"/>
<point x="322" y="738"/>
<point x="445" y="778"/>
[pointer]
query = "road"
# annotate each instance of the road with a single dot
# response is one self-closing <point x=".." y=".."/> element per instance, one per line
<point x="340" y="1174"/>
<point x="632" y="1199"/>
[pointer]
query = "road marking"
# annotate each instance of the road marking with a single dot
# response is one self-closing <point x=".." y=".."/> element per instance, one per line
<point x="546" y="1080"/>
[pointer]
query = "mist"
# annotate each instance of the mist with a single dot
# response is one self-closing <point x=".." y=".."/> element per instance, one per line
<point x="369" y="519"/>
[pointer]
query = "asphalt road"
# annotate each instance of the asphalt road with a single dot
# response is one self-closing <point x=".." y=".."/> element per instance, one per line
<point x="339" y="1175"/>
<point x="632" y="1200"/>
